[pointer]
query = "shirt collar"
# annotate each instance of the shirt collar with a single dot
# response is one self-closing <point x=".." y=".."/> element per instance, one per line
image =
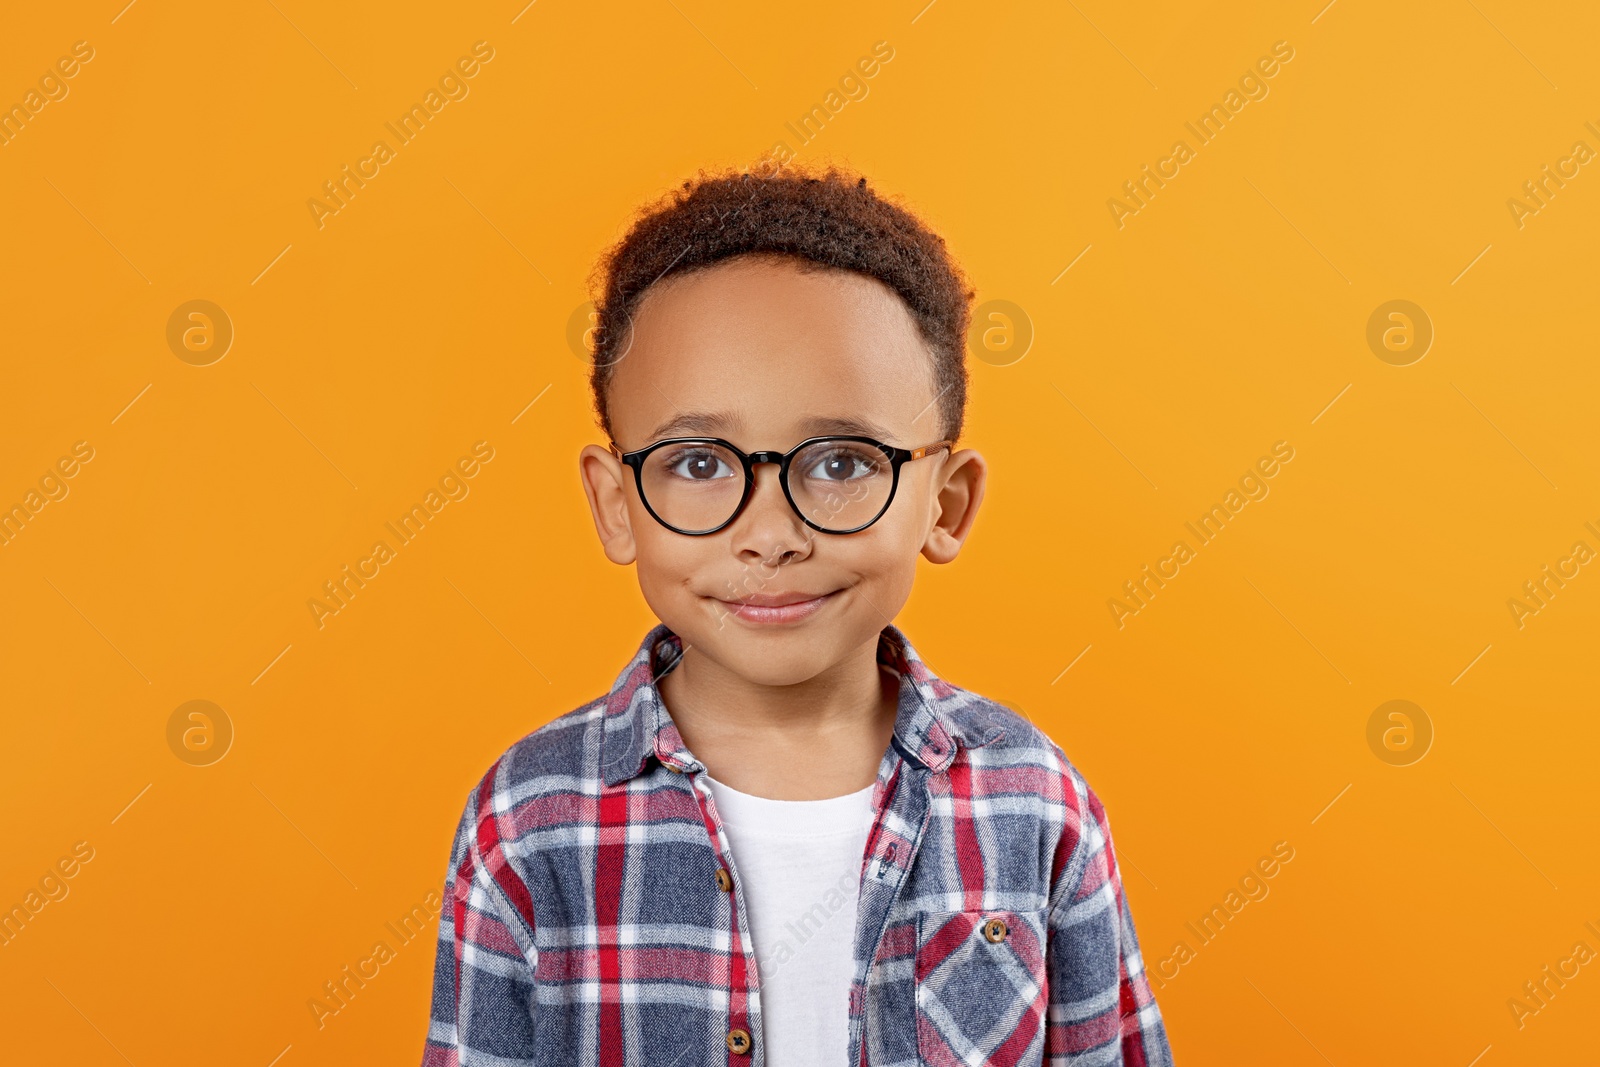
<point x="637" y="724"/>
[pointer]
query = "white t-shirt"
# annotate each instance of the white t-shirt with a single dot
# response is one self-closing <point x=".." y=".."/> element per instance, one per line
<point x="799" y="864"/>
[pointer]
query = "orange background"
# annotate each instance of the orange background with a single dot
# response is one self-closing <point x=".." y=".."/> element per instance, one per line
<point x="427" y="314"/>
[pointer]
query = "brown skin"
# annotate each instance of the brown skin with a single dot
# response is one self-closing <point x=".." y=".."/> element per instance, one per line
<point x="799" y="710"/>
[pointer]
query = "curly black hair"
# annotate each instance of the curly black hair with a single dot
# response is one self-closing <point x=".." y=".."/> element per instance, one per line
<point x="820" y="220"/>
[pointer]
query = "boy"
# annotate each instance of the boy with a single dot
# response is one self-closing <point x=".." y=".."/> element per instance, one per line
<point x="780" y="839"/>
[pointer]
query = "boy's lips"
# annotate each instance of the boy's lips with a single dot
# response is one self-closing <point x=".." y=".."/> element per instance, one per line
<point x="777" y="607"/>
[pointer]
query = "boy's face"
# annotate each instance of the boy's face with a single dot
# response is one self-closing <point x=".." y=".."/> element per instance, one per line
<point x="766" y="356"/>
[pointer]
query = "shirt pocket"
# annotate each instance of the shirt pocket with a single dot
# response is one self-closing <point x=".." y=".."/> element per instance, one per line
<point x="981" y="988"/>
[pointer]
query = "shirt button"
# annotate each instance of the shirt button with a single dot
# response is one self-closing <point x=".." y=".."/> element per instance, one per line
<point x="738" y="1041"/>
<point x="674" y="768"/>
<point x="725" y="883"/>
<point x="995" y="930"/>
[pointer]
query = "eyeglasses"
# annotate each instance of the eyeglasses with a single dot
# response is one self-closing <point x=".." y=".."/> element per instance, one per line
<point x="839" y="485"/>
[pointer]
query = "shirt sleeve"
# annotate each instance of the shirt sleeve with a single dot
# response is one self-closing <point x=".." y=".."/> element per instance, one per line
<point x="483" y="977"/>
<point x="1101" y="1005"/>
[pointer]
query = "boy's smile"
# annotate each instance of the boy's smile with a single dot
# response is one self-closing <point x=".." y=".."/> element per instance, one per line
<point x="776" y="607"/>
<point x="776" y="617"/>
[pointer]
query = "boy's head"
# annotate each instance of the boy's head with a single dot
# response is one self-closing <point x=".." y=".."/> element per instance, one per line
<point x="766" y="310"/>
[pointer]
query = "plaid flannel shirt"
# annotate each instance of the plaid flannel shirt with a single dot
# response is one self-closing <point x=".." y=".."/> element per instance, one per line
<point x="593" y="913"/>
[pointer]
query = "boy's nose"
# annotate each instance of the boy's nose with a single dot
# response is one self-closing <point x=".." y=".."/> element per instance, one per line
<point x="768" y="491"/>
<point x="769" y="527"/>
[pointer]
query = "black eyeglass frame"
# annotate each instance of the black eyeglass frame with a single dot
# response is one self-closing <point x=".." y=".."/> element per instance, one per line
<point x="897" y="457"/>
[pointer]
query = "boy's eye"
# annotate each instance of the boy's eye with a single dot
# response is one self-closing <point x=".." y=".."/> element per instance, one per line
<point x="700" y="464"/>
<point x="843" y="464"/>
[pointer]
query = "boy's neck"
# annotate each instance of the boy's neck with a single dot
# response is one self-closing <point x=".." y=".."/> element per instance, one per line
<point x="820" y="738"/>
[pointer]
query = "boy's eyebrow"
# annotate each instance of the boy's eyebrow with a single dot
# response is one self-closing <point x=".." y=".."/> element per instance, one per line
<point x="686" y="423"/>
<point x="821" y="424"/>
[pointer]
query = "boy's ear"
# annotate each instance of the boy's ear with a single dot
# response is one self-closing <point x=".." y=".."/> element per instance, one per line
<point x="957" y="495"/>
<point x="605" y="484"/>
